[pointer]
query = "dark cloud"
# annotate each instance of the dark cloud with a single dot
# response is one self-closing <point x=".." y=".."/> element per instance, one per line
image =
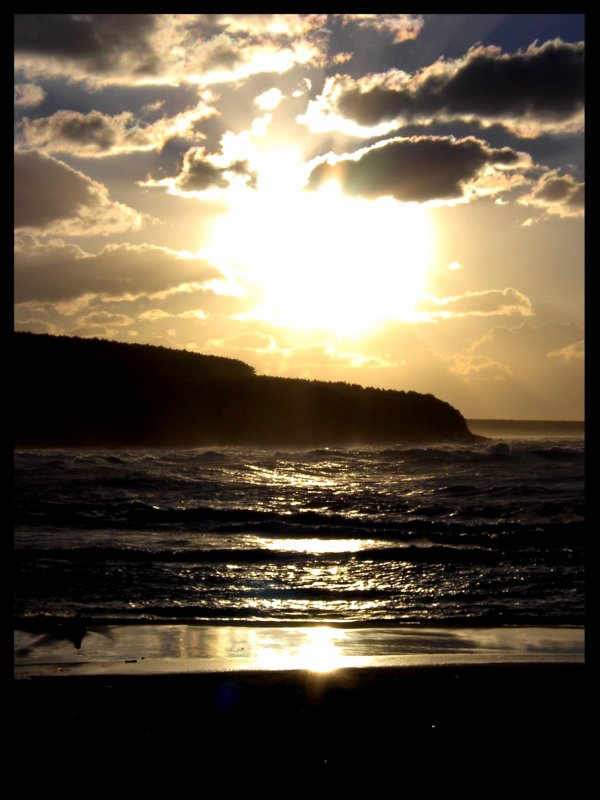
<point x="206" y="25"/>
<point x="63" y="273"/>
<point x="542" y="83"/>
<point x="136" y="49"/>
<point x="93" y="130"/>
<point x="557" y="194"/>
<point x="223" y="54"/>
<point x="98" y="42"/>
<point x="577" y="196"/>
<point x="52" y="197"/>
<point x="47" y="190"/>
<point x="559" y="190"/>
<point x="199" y="172"/>
<point x="417" y="169"/>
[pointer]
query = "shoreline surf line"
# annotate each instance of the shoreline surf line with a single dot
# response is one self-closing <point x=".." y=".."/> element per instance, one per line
<point x="184" y="649"/>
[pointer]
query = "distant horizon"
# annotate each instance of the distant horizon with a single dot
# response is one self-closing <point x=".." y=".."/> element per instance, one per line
<point x="526" y="428"/>
<point x="548" y="421"/>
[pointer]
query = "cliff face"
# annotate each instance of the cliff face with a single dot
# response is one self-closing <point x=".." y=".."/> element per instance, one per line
<point x="90" y="392"/>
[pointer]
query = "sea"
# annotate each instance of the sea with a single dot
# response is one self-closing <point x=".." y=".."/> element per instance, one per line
<point x="475" y="533"/>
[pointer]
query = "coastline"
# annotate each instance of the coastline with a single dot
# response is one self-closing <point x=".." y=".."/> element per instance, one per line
<point x="163" y="649"/>
<point x="438" y="717"/>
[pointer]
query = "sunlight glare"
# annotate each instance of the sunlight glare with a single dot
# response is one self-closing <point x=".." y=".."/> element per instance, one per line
<point x="316" y="545"/>
<point x="321" y="259"/>
<point x="320" y="652"/>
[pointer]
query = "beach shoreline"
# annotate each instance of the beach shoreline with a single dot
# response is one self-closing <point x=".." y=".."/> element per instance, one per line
<point x="494" y="698"/>
<point x="161" y="649"/>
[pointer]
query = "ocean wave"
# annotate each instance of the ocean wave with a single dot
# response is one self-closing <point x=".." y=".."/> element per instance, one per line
<point x="426" y="453"/>
<point x="486" y="530"/>
<point x="100" y="615"/>
<point x="512" y="508"/>
<point x="422" y="552"/>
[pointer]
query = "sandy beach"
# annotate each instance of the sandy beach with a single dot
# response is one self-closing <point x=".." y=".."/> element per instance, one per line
<point x="45" y="650"/>
<point x="463" y="699"/>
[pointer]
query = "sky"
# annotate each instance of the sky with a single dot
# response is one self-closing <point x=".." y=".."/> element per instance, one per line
<point x="392" y="200"/>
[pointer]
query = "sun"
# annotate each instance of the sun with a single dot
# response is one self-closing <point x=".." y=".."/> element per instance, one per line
<point x="320" y="259"/>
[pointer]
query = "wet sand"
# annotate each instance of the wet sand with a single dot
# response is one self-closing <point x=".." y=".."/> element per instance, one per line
<point x="389" y="725"/>
<point x="46" y="649"/>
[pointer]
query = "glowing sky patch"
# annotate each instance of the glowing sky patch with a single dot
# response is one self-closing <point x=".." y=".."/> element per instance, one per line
<point x="325" y="260"/>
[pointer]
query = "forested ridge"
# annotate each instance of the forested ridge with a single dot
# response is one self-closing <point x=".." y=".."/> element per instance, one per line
<point x="92" y="392"/>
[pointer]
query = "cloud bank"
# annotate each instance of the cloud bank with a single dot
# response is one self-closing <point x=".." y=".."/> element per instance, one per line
<point x="62" y="272"/>
<point x="95" y="43"/>
<point x="52" y="198"/>
<point x="142" y="49"/>
<point x="96" y="135"/>
<point x="537" y="90"/>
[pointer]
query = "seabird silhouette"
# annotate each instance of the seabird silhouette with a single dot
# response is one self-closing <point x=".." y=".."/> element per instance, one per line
<point x="73" y="629"/>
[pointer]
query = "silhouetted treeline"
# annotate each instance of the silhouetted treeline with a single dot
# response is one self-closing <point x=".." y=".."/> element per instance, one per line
<point x="75" y="392"/>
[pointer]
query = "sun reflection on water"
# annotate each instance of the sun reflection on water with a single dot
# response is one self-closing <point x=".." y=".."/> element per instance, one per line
<point x="321" y="652"/>
<point x="317" y="649"/>
<point x="317" y="545"/>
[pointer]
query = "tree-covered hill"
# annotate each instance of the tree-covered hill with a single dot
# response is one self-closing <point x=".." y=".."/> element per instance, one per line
<point x="92" y="392"/>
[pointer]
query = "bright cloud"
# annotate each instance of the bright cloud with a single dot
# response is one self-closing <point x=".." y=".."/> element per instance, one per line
<point x="403" y="27"/>
<point x="28" y="94"/>
<point x="97" y="135"/>
<point x="571" y="352"/>
<point x="269" y="100"/>
<point x="493" y="302"/>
